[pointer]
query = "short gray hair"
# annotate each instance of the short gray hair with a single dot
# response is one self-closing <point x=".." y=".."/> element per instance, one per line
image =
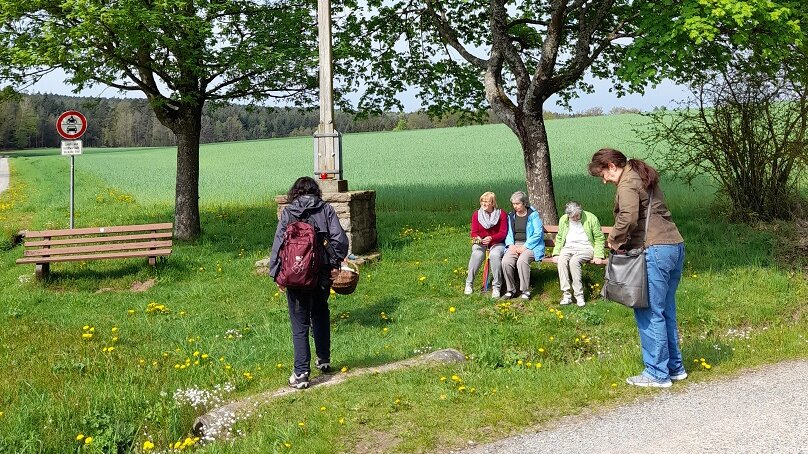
<point x="520" y="196"/>
<point x="573" y="209"/>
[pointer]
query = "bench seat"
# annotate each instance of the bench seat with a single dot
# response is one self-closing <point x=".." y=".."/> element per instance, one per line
<point x="97" y="243"/>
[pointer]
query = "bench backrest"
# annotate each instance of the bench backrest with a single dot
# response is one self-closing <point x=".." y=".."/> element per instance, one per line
<point x="99" y="242"/>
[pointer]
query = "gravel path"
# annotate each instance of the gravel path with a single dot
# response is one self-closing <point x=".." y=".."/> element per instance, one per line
<point x="758" y="411"/>
<point x="4" y="174"/>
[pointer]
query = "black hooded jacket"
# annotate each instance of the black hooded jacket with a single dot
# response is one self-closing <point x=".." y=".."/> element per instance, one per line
<point x="325" y="220"/>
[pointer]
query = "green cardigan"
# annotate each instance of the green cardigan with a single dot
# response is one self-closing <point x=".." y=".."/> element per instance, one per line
<point x="591" y="228"/>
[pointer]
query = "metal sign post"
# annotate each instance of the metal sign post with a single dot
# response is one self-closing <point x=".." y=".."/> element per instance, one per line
<point x="71" y="125"/>
<point x="72" y="185"/>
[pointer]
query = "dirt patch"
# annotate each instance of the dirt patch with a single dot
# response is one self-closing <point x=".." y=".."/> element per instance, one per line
<point x="138" y="286"/>
<point x="374" y="441"/>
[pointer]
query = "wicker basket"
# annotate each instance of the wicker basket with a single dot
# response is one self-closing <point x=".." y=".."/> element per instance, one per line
<point x="345" y="278"/>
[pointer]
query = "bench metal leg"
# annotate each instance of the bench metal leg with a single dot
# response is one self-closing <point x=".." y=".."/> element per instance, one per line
<point x="153" y="261"/>
<point x="42" y="270"/>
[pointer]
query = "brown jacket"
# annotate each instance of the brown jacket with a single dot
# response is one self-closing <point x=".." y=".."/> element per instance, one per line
<point x="630" y="208"/>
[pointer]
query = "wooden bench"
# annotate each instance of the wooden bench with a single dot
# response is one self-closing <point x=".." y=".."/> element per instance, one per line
<point x="550" y="232"/>
<point x="96" y="243"/>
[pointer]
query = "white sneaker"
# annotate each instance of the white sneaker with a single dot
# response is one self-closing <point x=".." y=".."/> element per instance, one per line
<point x="495" y="293"/>
<point x="567" y="299"/>
<point x="468" y="290"/>
<point x="579" y="300"/>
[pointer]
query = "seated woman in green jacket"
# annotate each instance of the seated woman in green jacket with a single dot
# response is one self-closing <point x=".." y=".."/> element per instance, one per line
<point x="579" y="240"/>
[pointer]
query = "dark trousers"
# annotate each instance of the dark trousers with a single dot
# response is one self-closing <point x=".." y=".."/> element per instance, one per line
<point x="309" y="309"/>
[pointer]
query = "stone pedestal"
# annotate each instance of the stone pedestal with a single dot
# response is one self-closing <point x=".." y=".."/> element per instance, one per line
<point x="357" y="215"/>
<point x="330" y="185"/>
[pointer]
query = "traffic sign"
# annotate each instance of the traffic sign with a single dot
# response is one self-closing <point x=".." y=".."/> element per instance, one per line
<point x="71" y="125"/>
<point x="71" y="147"/>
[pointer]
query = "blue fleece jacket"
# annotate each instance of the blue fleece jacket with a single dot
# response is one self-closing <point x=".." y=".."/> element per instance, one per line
<point x="535" y="232"/>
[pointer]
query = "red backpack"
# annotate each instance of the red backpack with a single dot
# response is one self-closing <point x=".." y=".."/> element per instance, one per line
<point x="300" y="257"/>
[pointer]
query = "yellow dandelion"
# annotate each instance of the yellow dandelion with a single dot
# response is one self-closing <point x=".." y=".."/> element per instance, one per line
<point x="443" y="379"/>
<point x="344" y="369"/>
<point x="80" y="437"/>
<point x="322" y="408"/>
<point x="519" y="362"/>
<point x="452" y="309"/>
<point x="538" y="365"/>
<point x="443" y="397"/>
<point x="148" y="445"/>
<point x="204" y="356"/>
<point x="455" y="378"/>
<point x="88" y="440"/>
<point x="614" y="385"/>
<point x="114" y="329"/>
<point x="541" y="350"/>
<point x="131" y="312"/>
<point x="301" y="424"/>
<point x="422" y="278"/>
<point x="341" y="420"/>
<point x="287" y="444"/>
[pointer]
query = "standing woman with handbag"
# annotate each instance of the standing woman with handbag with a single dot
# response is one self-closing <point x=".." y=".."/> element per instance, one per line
<point x="308" y="306"/>
<point x="664" y="256"/>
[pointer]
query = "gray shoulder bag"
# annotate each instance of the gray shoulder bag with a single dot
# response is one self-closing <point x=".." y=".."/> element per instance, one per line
<point x="626" y="279"/>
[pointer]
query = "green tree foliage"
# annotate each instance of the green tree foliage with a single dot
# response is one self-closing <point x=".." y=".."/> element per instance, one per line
<point x="514" y="55"/>
<point x="180" y="53"/>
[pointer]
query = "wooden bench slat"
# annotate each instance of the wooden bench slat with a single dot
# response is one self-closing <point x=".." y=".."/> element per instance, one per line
<point x="100" y="239"/>
<point x="99" y="230"/>
<point x="97" y="248"/>
<point x="115" y="255"/>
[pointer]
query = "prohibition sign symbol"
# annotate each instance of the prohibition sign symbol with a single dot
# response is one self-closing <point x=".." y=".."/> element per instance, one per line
<point x="71" y="125"/>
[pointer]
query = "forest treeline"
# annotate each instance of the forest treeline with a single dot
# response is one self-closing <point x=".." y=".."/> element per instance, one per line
<point x="29" y="121"/>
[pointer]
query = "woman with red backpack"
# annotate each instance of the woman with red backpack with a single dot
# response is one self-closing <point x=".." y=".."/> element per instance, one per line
<point x="309" y="243"/>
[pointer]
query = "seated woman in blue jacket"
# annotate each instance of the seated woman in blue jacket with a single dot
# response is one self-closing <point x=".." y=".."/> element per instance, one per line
<point x="525" y="244"/>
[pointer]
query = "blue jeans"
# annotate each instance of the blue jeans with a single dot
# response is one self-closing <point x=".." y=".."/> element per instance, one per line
<point x="657" y="323"/>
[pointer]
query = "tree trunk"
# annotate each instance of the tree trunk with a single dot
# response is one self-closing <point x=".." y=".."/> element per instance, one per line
<point x="538" y="177"/>
<point x="187" y="225"/>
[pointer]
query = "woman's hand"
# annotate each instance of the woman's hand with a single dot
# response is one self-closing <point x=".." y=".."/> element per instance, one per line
<point x="599" y="261"/>
<point x="486" y="241"/>
<point x="516" y="250"/>
<point x="555" y="259"/>
<point x="281" y="288"/>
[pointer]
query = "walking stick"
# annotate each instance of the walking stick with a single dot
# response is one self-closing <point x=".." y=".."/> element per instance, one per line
<point x="485" y="269"/>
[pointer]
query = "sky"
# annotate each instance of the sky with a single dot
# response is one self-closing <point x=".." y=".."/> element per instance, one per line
<point x="666" y="94"/>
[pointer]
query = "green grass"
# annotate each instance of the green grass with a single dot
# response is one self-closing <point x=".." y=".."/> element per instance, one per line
<point x="737" y="307"/>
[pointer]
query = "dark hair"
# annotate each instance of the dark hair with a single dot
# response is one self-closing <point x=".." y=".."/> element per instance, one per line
<point x="605" y="156"/>
<point x="303" y="186"/>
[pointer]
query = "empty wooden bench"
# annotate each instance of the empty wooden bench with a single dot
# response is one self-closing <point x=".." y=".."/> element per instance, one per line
<point x="97" y="243"/>
<point x="550" y="232"/>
